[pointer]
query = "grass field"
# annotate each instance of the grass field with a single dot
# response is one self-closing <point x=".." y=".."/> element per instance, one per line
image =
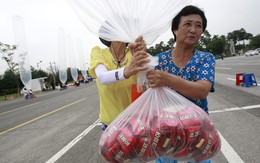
<point x="10" y="97"/>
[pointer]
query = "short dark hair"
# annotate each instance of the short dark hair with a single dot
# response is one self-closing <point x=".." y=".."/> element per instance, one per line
<point x="188" y="10"/>
<point x="105" y="42"/>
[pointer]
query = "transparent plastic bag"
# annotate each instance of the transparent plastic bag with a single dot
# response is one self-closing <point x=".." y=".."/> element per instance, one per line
<point x="141" y="76"/>
<point x="160" y="123"/>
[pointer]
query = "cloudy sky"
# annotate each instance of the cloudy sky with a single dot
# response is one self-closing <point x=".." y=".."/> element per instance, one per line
<point x="42" y="18"/>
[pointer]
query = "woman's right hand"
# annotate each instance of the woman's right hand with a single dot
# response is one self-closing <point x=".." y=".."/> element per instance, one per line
<point x="138" y="60"/>
<point x="138" y="45"/>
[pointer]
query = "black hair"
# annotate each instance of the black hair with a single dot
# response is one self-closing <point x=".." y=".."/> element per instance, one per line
<point x="105" y="42"/>
<point x="188" y="10"/>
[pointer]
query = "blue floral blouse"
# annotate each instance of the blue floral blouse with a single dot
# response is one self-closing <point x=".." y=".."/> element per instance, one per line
<point x="200" y="67"/>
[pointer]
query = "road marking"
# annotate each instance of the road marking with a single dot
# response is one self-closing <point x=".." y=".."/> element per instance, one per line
<point x="73" y="142"/>
<point x="235" y="108"/>
<point x="18" y="108"/>
<point x="251" y="107"/>
<point x="231" y="79"/>
<point x="225" y="68"/>
<point x="42" y="116"/>
<point x="229" y="152"/>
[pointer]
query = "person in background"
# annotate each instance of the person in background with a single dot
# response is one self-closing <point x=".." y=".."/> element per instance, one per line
<point x="186" y="70"/>
<point x="31" y="94"/>
<point x="25" y="93"/>
<point x="115" y="69"/>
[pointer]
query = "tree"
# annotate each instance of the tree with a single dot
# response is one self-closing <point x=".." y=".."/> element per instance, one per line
<point x="38" y="73"/>
<point x="7" y="55"/>
<point x="204" y="41"/>
<point x="255" y="42"/>
<point x="9" y="83"/>
<point x="217" y="45"/>
<point x="239" y="35"/>
<point x="55" y="75"/>
<point x="161" y="47"/>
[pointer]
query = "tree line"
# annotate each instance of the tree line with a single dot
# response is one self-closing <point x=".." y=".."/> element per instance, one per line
<point x="218" y="45"/>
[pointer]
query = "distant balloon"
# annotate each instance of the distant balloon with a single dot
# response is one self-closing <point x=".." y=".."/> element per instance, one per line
<point x="62" y="63"/>
<point x="82" y="58"/>
<point x="74" y="73"/>
<point x="22" y="52"/>
<point x="73" y="58"/>
<point x="84" y="73"/>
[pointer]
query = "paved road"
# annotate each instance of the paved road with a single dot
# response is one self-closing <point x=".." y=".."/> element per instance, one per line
<point x="62" y="126"/>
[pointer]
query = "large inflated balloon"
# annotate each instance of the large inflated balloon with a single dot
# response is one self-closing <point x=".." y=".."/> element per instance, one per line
<point x="73" y="58"/>
<point x="62" y="55"/>
<point x="125" y="20"/>
<point x="22" y="52"/>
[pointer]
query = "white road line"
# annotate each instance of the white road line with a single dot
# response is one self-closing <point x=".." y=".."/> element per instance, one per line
<point x="235" y="108"/>
<point x="251" y="107"/>
<point x="72" y="143"/>
<point x="229" y="152"/>
<point x="225" y="68"/>
<point x="231" y="79"/>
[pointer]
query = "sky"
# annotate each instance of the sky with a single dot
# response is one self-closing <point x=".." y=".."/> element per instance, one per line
<point x="42" y="18"/>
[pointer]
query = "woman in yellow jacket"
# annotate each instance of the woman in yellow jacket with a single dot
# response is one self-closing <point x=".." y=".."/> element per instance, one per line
<point x="115" y="69"/>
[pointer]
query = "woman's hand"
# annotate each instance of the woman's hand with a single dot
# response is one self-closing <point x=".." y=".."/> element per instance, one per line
<point x="138" y="45"/>
<point x="157" y="78"/>
<point x="138" y="60"/>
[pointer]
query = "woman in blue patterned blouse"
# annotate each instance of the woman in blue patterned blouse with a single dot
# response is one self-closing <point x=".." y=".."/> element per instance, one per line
<point x="186" y="70"/>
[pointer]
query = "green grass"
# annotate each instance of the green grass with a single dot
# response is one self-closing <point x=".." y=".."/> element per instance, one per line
<point x="10" y="96"/>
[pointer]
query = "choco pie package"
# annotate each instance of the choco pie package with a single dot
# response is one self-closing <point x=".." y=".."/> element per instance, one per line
<point x="160" y="123"/>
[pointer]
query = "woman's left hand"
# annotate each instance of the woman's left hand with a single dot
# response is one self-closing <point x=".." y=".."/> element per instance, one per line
<point x="157" y="78"/>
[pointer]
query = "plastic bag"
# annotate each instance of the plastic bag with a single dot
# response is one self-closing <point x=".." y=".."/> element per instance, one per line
<point x="141" y="76"/>
<point x="160" y="123"/>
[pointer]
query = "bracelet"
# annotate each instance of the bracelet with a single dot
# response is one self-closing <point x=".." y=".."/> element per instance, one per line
<point x="116" y="75"/>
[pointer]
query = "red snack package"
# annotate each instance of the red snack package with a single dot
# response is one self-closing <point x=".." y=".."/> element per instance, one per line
<point x="209" y="147"/>
<point x="144" y="149"/>
<point x="127" y="142"/>
<point x="139" y="126"/>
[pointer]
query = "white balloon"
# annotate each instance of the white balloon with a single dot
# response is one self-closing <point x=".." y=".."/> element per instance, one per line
<point x="84" y="73"/>
<point x="125" y="20"/>
<point x="23" y="57"/>
<point x="74" y="73"/>
<point x="62" y="64"/>
<point x="73" y="58"/>
<point x="82" y="58"/>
